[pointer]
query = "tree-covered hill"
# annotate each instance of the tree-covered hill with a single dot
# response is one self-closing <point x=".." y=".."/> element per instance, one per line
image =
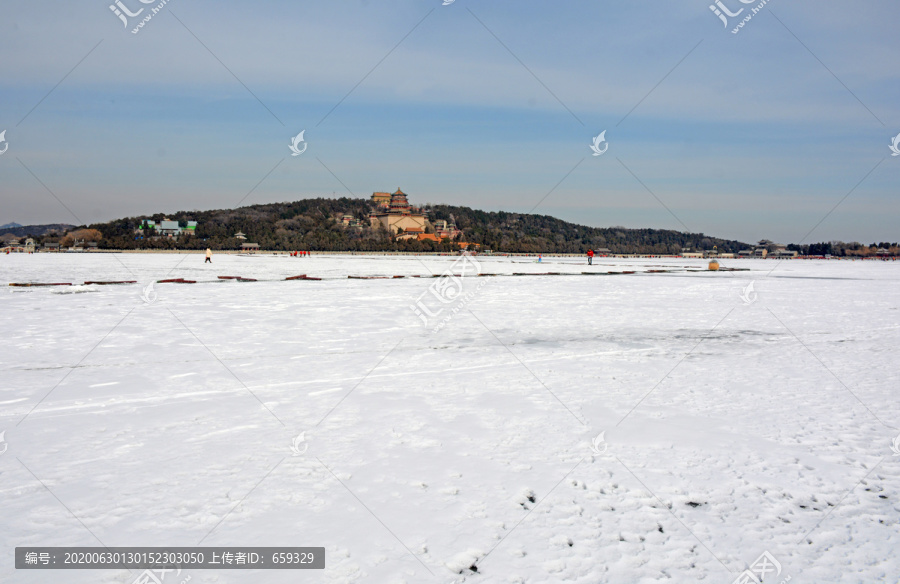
<point x="36" y="230"/>
<point x="315" y="224"/>
<point x="520" y="232"/>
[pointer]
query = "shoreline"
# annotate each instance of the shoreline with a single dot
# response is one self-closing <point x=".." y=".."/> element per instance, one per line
<point x="451" y="254"/>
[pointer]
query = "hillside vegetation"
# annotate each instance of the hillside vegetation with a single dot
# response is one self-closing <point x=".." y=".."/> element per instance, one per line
<point x="315" y="224"/>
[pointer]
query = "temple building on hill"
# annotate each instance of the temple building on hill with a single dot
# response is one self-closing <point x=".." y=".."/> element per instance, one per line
<point x="445" y="230"/>
<point x="396" y="213"/>
<point x="349" y="220"/>
<point x="381" y="198"/>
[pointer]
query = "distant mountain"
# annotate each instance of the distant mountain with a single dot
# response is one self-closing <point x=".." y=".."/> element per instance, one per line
<point x="315" y="224"/>
<point x="34" y="230"/>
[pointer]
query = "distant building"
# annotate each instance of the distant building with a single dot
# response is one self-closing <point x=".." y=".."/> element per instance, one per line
<point x="240" y="235"/>
<point x="397" y="214"/>
<point x="15" y="245"/>
<point x="418" y="235"/>
<point x="785" y="253"/>
<point x="381" y="199"/>
<point x="410" y="233"/>
<point x="350" y="221"/>
<point x="249" y="247"/>
<point x="446" y="230"/>
<point x="167" y="227"/>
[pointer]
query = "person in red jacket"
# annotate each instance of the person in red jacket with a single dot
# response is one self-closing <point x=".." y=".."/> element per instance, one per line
<point x="590" y="255"/>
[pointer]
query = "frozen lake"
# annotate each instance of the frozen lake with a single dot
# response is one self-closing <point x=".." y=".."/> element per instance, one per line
<point x="464" y="431"/>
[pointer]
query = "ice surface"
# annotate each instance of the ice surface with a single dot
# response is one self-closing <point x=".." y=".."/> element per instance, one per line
<point x="735" y="423"/>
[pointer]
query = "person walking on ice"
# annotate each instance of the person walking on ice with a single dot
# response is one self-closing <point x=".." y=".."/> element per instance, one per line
<point x="590" y="255"/>
<point x="208" y="256"/>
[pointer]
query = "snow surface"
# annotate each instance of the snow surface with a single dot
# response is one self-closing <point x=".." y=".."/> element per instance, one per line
<point x="734" y="421"/>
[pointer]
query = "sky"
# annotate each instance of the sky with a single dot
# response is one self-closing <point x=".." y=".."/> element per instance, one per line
<point x="781" y="130"/>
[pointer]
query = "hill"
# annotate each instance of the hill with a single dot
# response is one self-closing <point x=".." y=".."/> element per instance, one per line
<point x="34" y="230"/>
<point x="315" y="224"/>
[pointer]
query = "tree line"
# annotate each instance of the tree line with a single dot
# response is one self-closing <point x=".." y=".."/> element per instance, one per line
<point x="844" y="249"/>
<point x="315" y="225"/>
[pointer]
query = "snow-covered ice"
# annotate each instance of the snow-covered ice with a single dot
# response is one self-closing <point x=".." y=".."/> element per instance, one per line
<point x="735" y="422"/>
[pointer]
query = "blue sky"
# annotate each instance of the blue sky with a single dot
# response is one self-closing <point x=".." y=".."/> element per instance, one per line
<point x="487" y="104"/>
